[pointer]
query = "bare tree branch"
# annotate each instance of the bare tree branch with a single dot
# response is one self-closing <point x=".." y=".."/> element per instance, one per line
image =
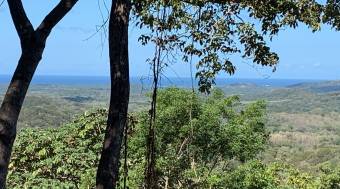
<point x="21" y="22"/>
<point x="2" y="2"/>
<point x="59" y="11"/>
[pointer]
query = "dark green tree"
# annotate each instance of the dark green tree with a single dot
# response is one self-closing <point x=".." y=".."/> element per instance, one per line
<point x="331" y="14"/>
<point x="197" y="136"/>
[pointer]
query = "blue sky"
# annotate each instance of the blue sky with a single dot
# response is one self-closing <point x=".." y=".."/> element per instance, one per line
<point x="303" y="55"/>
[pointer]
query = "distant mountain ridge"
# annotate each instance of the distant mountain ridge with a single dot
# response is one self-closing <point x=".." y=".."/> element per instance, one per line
<point x="319" y="87"/>
<point x="243" y="85"/>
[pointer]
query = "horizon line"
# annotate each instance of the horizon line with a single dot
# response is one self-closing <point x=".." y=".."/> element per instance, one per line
<point x="176" y="77"/>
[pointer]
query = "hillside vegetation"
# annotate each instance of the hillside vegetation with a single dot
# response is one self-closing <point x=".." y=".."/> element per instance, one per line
<point x="303" y="120"/>
<point x="216" y="148"/>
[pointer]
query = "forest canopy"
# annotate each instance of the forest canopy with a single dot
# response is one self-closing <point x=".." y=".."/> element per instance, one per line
<point x="68" y="155"/>
<point x="204" y="152"/>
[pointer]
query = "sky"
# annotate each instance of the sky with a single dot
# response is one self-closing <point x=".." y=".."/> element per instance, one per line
<point x="71" y="51"/>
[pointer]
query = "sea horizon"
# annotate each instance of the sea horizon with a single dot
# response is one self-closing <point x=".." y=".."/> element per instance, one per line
<point x="166" y="81"/>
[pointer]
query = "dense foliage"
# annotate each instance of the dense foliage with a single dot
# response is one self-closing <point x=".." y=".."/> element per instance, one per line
<point x="196" y="136"/>
<point x="256" y="175"/>
<point x="212" y="32"/>
<point x="206" y="149"/>
<point x="65" y="157"/>
<point x="68" y="155"/>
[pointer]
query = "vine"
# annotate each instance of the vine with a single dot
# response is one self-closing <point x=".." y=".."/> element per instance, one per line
<point x="150" y="174"/>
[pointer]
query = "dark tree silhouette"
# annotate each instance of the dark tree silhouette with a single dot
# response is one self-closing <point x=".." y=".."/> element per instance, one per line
<point x="107" y="174"/>
<point x="33" y="43"/>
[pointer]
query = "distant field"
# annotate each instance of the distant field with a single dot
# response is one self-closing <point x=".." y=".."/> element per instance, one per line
<point x="304" y="119"/>
<point x="54" y="105"/>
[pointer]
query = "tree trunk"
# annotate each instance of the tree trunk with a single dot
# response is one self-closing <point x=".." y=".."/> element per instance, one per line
<point x="108" y="169"/>
<point x="32" y="46"/>
<point x="12" y="103"/>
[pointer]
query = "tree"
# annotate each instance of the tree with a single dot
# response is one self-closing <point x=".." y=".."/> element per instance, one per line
<point x="210" y="31"/>
<point x="197" y="137"/>
<point x="107" y="173"/>
<point x="33" y="43"/>
<point x="214" y="31"/>
<point x="331" y="14"/>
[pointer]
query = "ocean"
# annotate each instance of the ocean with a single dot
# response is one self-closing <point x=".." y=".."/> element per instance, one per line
<point x="180" y="82"/>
